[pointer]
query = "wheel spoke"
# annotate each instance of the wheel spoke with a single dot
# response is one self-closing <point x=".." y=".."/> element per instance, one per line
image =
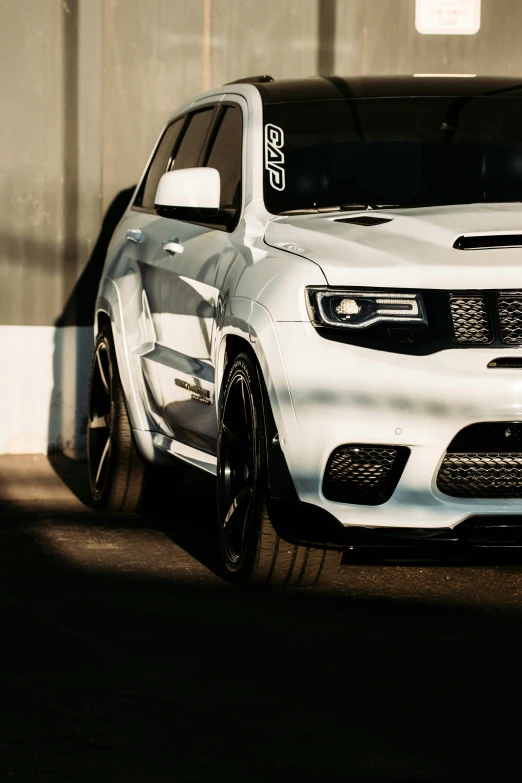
<point x="234" y="439"/>
<point x="102" y="460"/>
<point x="238" y="500"/>
<point x="99" y="422"/>
<point x="102" y="373"/>
<point x="249" y="493"/>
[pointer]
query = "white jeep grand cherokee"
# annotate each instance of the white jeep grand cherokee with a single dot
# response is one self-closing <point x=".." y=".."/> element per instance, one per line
<point x="315" y="294"/>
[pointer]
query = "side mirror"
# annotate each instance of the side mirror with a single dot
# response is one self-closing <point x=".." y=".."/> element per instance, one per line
<point x="197" y="188"/>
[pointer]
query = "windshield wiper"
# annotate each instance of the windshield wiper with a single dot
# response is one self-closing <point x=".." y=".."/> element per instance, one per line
<point x="318" y="210"/>
<point x="339" y="208"/>
<point x="309" y="211"/>
<point x="347" y="207"/>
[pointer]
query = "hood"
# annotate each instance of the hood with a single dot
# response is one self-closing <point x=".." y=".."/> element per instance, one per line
<point x="414" y="249"/>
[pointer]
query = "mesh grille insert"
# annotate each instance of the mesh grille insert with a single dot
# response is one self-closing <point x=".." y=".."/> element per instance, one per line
<point x="510" y="317"/>
<point x="364" y="474"/>
<point x="470" y="319"/>
<point x="481" y="475"/>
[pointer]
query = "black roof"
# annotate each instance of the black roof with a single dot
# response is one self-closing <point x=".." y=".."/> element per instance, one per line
<point x="318" y="88"/>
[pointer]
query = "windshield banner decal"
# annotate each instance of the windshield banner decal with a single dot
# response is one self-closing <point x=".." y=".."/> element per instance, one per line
<point x="274" y="156"/>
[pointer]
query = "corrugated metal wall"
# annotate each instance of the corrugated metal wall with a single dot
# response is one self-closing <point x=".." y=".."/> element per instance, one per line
<point x="31" y="161"/>
<point x="87" y="84"/>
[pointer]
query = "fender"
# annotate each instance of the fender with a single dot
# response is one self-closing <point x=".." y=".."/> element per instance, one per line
<point x="109" y="302"/>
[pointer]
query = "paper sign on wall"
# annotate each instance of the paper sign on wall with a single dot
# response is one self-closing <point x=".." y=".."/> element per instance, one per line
<point x="447" y="17"/>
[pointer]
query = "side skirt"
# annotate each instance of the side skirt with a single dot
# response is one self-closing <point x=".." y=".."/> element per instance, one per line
<point x="199" y="459"/>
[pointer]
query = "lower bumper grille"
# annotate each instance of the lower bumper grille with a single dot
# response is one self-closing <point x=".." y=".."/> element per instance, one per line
<point x="481" y="475"/>
<point x="364" y="474"/>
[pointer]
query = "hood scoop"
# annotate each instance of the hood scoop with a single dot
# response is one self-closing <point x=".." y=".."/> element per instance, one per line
<point x="364" y="220"/>
<point x="491" y="242"/>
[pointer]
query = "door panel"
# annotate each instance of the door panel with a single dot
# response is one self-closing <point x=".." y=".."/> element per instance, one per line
<point x="188" y="303"/>
<point x="139" y="286"/>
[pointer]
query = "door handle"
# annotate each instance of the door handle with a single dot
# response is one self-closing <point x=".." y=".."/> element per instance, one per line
<point x="134" y="235"/>
<point x="173" y="246"/>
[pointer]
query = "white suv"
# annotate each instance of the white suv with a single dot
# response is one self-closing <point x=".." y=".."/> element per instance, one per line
<point x="315" y="294"/>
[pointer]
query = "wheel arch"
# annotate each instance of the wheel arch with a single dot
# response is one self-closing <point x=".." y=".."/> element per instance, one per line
<point x="248" y="326"/>
<point x="257" y="337"/>
<point x="101" y="319"/>
<point x="108" y="311"/>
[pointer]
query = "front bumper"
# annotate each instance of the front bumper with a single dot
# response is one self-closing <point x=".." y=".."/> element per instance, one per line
<point x="344" y="394"/>
<point x="306" y="524"/>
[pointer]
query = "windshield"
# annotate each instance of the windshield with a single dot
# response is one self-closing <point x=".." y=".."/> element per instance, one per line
<point x="392" y="151"/>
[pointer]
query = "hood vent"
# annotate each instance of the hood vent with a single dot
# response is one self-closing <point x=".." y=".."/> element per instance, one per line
<point x="364" y="220"/>
<point x="492" y="242"/>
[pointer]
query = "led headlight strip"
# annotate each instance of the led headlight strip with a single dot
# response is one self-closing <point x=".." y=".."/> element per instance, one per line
<point x="352" y="309"/>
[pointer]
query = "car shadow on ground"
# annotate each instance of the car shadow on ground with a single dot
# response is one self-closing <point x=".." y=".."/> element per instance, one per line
<point x="124" y="659"/>
<point x="180" y="502"/>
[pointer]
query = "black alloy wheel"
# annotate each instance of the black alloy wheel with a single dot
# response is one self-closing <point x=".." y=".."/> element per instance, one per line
<point x="99" y="419"/>
<point x="238" y="455"/>
<point x="252" y="551"/>
<point x="116" y="471"/>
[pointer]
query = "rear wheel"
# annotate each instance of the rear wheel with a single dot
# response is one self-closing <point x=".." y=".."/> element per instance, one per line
<point x="116" y="470"/>
<point x="252" y="551"/>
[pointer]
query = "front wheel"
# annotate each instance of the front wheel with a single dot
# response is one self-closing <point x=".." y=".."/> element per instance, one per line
<point x="252" y="551"/>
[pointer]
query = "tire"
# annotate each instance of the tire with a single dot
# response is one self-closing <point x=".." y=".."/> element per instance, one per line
<point x="251" y="550"/>
<point x="116" y="470"/>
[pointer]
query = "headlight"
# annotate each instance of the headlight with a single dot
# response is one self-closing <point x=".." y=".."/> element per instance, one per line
<point x="351" y="309"/>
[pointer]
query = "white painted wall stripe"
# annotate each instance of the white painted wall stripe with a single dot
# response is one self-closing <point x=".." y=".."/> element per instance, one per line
<point x="43" y="388"/>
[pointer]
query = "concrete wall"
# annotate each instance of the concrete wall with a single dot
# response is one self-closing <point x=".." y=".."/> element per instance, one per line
<point x="85" y="88"/>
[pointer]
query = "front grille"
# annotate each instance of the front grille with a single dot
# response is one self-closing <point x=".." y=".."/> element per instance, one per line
<point x="481" y="475"/>
<point x="470" y="319"/>
<point x="364" y="474"/>
<point x="474" y="322"/>
<point x="510" y="317"/>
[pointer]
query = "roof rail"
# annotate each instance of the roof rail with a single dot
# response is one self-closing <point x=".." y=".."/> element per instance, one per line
<point x="253" y="80"/>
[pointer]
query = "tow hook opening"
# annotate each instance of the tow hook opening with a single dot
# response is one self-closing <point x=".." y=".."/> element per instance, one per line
<point x="506" y="362"/>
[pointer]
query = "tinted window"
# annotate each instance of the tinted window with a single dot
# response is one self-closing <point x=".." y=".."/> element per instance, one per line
<point x="226" y="156"/>
<point x="393" y="151"/>
<point x="193" y="138"/>
<point x="159" y="165"/>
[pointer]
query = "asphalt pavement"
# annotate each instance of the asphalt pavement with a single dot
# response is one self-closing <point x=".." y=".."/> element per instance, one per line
<point x="126" y="657"/>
